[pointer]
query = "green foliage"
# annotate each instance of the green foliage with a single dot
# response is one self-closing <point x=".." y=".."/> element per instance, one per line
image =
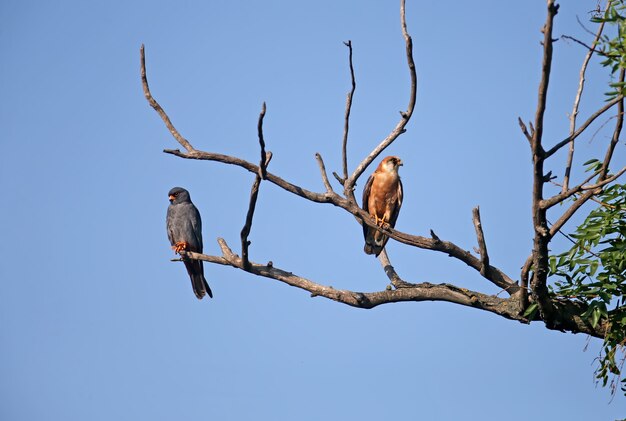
<point x="613" y="47"/>
<point x="593" y="271"/>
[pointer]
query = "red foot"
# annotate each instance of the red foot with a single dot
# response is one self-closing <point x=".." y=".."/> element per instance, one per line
<point x="179" y="246"/>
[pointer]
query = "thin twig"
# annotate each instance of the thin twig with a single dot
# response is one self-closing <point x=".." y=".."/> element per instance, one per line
<point x="616" y="132"/>
<point x="320" y="162"/>
<point x="254" y="191"/>
<point x="548" y="203"/>
<point x="584" y="126"/>
<point x="482" y="246"/>
<point x="245" y="231"/>
<point x="346" y="126"/>
<point x="264" y="159"/>
<point x="524" y="130"/>
<point x="574" y="114"/>
<point x="588" y="250"/>
<point x="588" y="194"/>
<point x="406" y="115"/>
<point x="272" y="178"/>
<point x="154" y="104"/>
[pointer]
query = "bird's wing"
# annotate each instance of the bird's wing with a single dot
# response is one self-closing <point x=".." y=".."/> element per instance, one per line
<point x="366" y="195"/>
<point x="169" y="224"/>
<point x="397" y="204"/>
<point x="196" y="225"/>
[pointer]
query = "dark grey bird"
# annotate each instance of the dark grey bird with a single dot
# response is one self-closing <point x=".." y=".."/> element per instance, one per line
<point x="184" y="230"/>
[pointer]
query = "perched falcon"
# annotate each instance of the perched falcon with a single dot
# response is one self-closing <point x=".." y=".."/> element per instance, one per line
<point x="382" y="198"/>
<point x="184" y="229"/>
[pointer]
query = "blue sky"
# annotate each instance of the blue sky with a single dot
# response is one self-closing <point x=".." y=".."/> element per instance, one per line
<point x="96" y="323"/>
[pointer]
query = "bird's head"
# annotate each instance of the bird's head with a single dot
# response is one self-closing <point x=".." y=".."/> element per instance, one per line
<point x="178" y="195"/>
<point x="390" y="164"/>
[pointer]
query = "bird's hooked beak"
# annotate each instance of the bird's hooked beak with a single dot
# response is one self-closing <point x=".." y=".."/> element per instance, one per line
<point x="172" y="198"/>
<point x="400" y="163"/>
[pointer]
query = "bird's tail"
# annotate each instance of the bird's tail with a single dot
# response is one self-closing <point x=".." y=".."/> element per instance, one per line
<point x="200" y="286"/>
<point x="374" y="244"/>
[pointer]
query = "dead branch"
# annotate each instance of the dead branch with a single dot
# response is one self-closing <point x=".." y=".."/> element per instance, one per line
<point x="274" y="179"/>
<point x="505" y="307"/>
<point x="482" y="246"/>
<point x="616" y="132"/>
<point x="254" y="192"/>
<point x="588" y="194"/>
<point x="320" y="163"/>
<point x="524" y="130"/>
<point x="548" y="203"/>
<point x="367" y="300"/>
<point x="539" y="289"/>
<point x="583" y="127"/>
<point x="574" y="114"/>
<point x="391" y="273"/>
<point x="265" y="158"/>
<point x="154" y="104"/>
<point x="346" y="126"/>
<point x="405" y="115"/>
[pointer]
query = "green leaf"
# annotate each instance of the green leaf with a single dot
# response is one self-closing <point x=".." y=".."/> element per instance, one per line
<point x="530" y="311"/>
<point x="595" y="317"/>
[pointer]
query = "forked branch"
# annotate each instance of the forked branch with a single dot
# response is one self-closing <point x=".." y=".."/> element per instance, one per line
<point x="405" y="115"/>
<point x="266" y="157"/>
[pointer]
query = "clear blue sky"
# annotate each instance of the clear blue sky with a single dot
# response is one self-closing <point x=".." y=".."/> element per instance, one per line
<point x="97" y="324"/>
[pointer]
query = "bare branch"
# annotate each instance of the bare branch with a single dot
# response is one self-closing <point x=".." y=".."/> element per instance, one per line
<point x="254" y="192"/>
<point x="493" y="274"/>
<point x="482" y="246"/>
<point x="524" y="130"/>
<point x="581" y="86"/>
<point x="539" y="289"/>
<point x="146" y="91"/>
<point x="523" y="281"/>
<point x="346" y="127"/>
<point x="425" y="291"/>
<point x="580" y="201"/>
<point x="546" y="67"/>
<point x="581" y="187"/>
<point x="320" y="162"/>
<point x="264" y="158"/>
<point x="245" y="231"/>
<point x="406" y="115"/>
<point x="616" y="132"/>
<point x="588" y="194"/>
<point x="226" y="159"/>
<point x="395" y="279"/>
<point x="367" y="300"/>
<point x="584" y="126"/>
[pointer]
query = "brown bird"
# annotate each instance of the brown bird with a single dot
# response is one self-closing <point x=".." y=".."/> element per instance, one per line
<point x="382" y="199"/>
